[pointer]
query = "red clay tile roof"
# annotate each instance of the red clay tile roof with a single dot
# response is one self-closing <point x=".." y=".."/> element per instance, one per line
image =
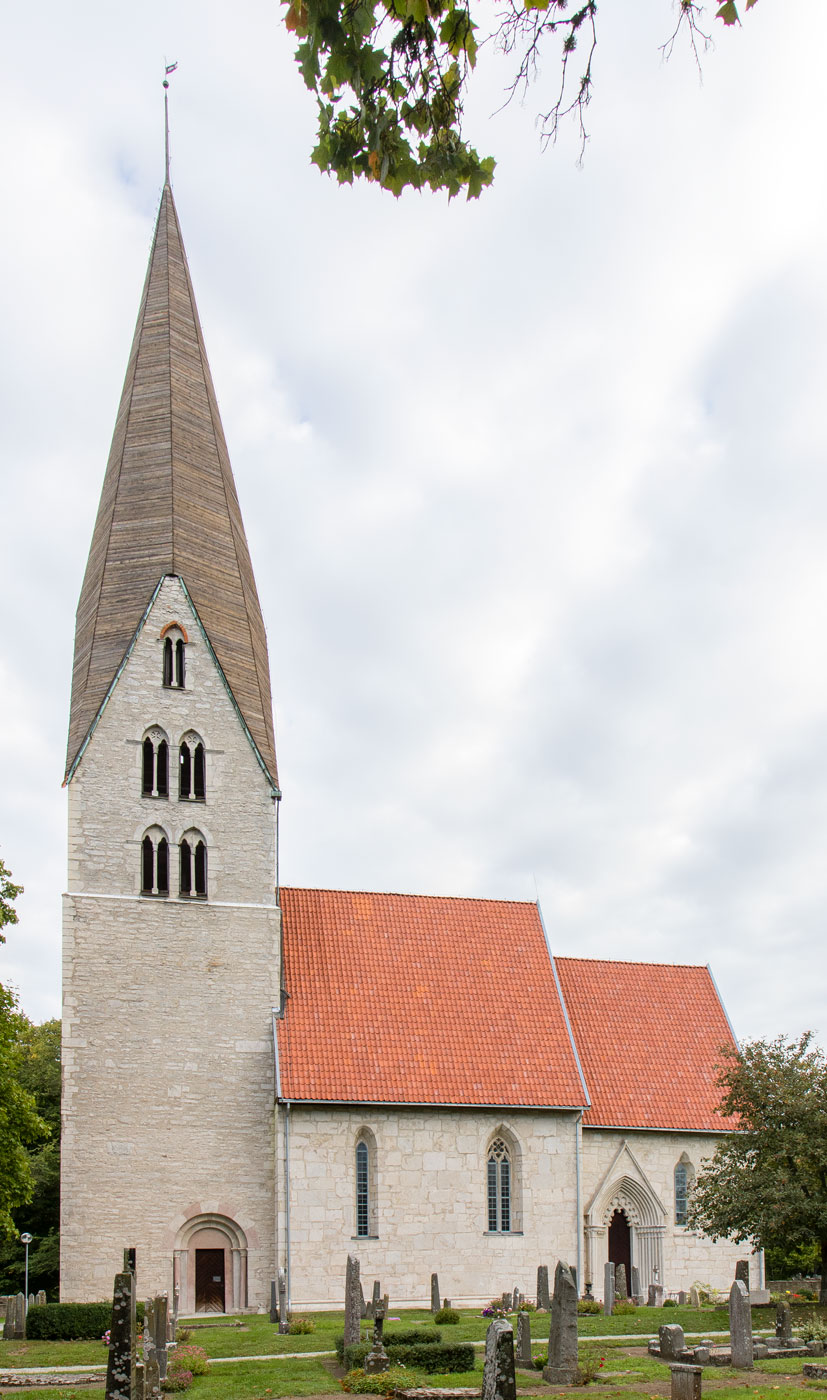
<point x="649" y="1037"/>
<point x="412" y="999"/>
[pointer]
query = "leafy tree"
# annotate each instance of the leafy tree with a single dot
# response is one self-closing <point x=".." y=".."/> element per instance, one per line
<point x="38" y="1073"/>
<point x="767" y="1183"/>
<point x="390" y="77"/>
<point x="20" y="1125"/>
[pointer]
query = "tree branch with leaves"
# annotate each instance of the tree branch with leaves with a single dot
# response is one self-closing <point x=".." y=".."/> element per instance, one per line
<point x="767" y="1183"/>
<point x="390" y="79"/>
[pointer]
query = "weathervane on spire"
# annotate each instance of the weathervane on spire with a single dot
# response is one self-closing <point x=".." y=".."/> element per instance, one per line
<point x="168" y="68"/>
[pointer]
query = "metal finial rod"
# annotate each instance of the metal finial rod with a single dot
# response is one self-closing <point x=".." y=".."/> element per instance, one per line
<point x="168" y="68"/>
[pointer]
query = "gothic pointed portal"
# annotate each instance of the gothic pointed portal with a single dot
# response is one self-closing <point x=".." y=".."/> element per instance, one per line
<point x="169" y="506"/>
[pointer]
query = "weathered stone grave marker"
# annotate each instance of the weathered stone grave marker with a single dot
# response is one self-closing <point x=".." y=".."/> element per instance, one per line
<point x="121" y="1370"/>
<point x="608" y="1289"/>
<point x="353" y="1301"/>
<point x="498" y="1379"/>
<point x="686" y="1382"/>
<point x="562" y="1339"/>
<point x="284" y="1322"/>
<point x="694" y="1297"/>
<point x="543" y="1298"/>
<point x="621" y="1291"/>
<point x="636" y="1293"/>
<point x="742" y="1272"/>
<point x="655" y="1296"/>
<point x="524" y="1340"/>
<point x="274" y="1301"/>
<point x="377" y="1358"/>
<point x="740" y="1326"/>
<point x="434" y="1293"/>
<point x="671" y="1340"/>
<point x="783" y="1324"/>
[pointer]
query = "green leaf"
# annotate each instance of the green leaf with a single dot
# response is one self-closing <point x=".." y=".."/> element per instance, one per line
<point x="729" y="12"/>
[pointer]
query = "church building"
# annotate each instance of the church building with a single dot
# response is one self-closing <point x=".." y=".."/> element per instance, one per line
<point x="260" y="1078"/>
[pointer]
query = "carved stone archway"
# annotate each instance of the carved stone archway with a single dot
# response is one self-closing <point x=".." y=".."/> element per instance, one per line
<point x="210" y="1231"/>
<point x="626" y="1188"/>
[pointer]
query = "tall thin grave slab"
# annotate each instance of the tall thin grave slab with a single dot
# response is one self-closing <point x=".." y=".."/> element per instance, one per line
<point x="274" y="1301"/>
<point x="740" y="1327"/>
<point x="120" y="1371"/>
<point x="353" y="1301"/>
<point x="524" y="1340"/>
<point x="608" y="1289"/>
<point x="499" y="1381"/>
<point x="434" y="1293"/>
<point x="543" y="1297"/>
<point x="283" y="1319"/>
<point x="621" y="1289"/>
<point x="562" y="1339"/>
<point x="636" y="1293"/>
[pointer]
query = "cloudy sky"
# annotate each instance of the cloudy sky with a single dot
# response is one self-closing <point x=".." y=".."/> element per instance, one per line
<point x="535" y="487"/>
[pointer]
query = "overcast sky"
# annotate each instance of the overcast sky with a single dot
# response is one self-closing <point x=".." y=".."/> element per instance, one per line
<point x="534" y="487"/>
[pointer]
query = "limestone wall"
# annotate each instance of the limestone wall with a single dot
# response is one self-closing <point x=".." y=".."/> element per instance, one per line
<point x="167" y="1042"/>
<point x="430" y="1202"/>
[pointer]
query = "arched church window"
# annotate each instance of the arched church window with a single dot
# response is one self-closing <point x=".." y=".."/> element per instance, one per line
<point x="499" y="1187"/>
<point x="155" y="862"/>
<point x="683" y="1181"/>
<point x="192" y="769"/>
<point x="174" y="663"/>
<point x="192" y="858"/>
<point x="155" y="764"/>
<point x="366" y="1212"/>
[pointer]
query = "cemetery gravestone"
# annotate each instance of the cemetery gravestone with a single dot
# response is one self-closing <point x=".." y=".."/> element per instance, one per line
<point x="161" y="1333"/>
<point x="608" y="1289"/>
<point x="671" y="1341"/>
<point x="636" y="1293"/>
<point x="363" y="1307"/>
<point x="686" y="1382"/>
<point x="784" y="1324"/>
<point x="353" y="1301"/>
<point x="681" y="1299"/>
<point x="41" y="1298"/>
<point x="120" y="1370"/>
<point x="377" y="1358"/>
<point x="543" y="1299"/>
<point x="562" y="1340"/>
<point x="621" y="1292"/>
<point x="524" y="1340"/>
<point x="740" y="1326"/>
<point x="742" y="1272"/>
<point x="694" y="1297"/>
<point x="498" y="1379"/>
<point x="274" y="1301"/>
<point x="655" y="1298"/>
<point x="434" y="1293"/>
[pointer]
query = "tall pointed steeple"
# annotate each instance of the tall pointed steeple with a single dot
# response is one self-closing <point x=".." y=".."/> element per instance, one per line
<point x="169" y="506"/>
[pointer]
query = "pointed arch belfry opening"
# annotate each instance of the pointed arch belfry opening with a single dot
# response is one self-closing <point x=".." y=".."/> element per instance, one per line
<point x="210" y="1265"/>
<point x="625" y="1223"/>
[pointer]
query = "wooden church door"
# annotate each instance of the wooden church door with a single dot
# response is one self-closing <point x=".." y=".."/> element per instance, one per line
<point x="209" y="1280"/>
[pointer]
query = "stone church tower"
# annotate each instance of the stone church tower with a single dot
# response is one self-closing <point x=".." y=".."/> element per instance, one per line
<point x="171" y="954"/>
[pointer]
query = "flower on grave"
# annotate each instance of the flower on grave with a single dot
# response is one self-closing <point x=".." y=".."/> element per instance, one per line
<point x="105" y="1337"/>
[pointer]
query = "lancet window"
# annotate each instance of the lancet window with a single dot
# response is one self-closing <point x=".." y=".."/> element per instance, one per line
<point x="175" y="659"/>
<point x="192" y="769"/>
<point x="155" y="862"/>
<point x="155" y="764"/>
<point x="683" y="1182"/>
<point x="366" y="1211"/>
<point x="499" y="1187"/>
<point x="192" y="857"/>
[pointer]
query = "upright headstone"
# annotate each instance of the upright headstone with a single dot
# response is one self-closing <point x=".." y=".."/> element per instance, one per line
<point x="524" y="1340"/>
<point x="152" y="1378"/>
<point x="15" y="1326"/>
<point x="498" y="1379"/>
<point x="686" y="1382"/>
<point x="446" y="1302"/>
<point x="636" y="1293"/>
<point x="543" y="1298"/>
<point x="621" y="1290"/>
<point x="742" y="1272"/>
<point x="363" y="1307"/>
<point x="40" y="1299"/>
<point x="515" y="1300"/>
<point x="562" y="1338"/>
<point x="608" y="1289"/>
<point x="681" y="1298"/>
<point x="672" y="1341"/>
<point x="353" y="1301"/>
<point x="694" y="1297"/>
<point x="376" y="1299"/>
<point x="740" y="1326"/>
<point x="655" y="1297"/>
<point x="385" y="1305"/>
<point x="274" y="1301"/>
<point x="377" y="1358"/>
<point x="284" y="1321"/>
<point x="120" y="1370"/>
<point x="783" y="1324"/>
<point x="161" y="1332"/>
<point x="505" y="1302"/>
<point x="30" y="1301"/>
<point x="434" y="1293"/>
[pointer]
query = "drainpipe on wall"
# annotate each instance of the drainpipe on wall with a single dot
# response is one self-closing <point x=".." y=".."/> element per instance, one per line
<point x="578" y="1133"/>
<point x="287" y="1195"/>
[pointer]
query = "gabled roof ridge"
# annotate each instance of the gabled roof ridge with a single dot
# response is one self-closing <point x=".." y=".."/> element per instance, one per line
<point x="632" y="962"/>
<point x="401" y="894"/>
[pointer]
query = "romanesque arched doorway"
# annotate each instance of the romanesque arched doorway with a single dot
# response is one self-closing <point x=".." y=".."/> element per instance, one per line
<point x="210" y="1265"/>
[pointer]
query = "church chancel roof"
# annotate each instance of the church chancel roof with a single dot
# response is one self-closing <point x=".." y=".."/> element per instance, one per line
<point x="169" y="506"/>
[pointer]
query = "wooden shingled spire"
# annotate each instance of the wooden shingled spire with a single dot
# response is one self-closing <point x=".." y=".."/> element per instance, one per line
<point x="169" y="506"/>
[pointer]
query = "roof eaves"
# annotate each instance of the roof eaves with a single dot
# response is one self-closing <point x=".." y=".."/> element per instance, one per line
<point x="648" y="1128"/>
<point x="298" y="1101"/>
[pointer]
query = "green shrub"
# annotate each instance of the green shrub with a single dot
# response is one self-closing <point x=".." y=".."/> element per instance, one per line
<point x="70" y="1322"/>
<point x="183" y="1335"/>
<point x="449" y="1316"/>
<point x="382" y="1383"/>
<point x="588" y="1306"/>
<point x="589" y="1363"/>
<point x="186" y="1358"/>
<point x="411" y="1336"/>
<point x="425" y="1355"/>
<point x="623" y="1307"/>
<point x="541" y="1360"/>
<point x="670" y="1302"/>
<point x="300" y="1326"/>
<point x="527" y="1306"/>
<point x="812" y="1329"/>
